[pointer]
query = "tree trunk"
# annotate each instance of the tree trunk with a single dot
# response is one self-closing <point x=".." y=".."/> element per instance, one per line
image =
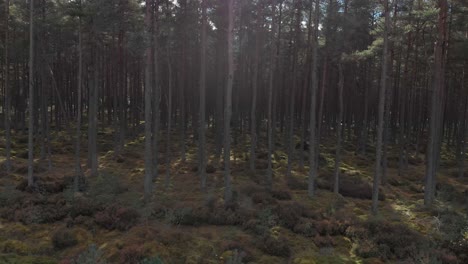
<point x="271" y="125"/>
<point x="307" y="66"/>
<point x="31" y="96"/>
<point x="228" y="104"/>
<point x="461" y="140"/>
<point x="339" y="129"/>
<point x="156" y="92"/>
<point x="464" y="131"/>
<point x="7" y="93"/>
<point x="93" y="105"/>
<point x="253" y="110"/>
<point x="321" y="106"/>
<point x="78" y="172"/>
<point x="202" y="125"/>
<point x="438" y="95"/>
<point x="169" y="120"/>
<point x="313" y="105"/>
<point x="148" y="183"/>
<point x="381" y="110"/>
<point x="365" y="123"/>
<point x="292" y="102"/>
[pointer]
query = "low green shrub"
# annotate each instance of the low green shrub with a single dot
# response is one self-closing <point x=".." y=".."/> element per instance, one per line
<point x="116" y="217"/>
<point x="64" y="238"/>
<point x="275" y="245"/>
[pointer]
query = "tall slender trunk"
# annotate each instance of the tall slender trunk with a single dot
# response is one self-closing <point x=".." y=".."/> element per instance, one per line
<point x="438" y="95"/>
<point x="381" y="110"/>
<point x="386" y="133"/>
<point x="276" y="101"/>
<point x="253" y="110"/>
<point x="403" y="109"/>
<point x="292" y="102"/>
<point x="148" y="182"/>
<point x="183" y="82"/>
<point x="114" y="81"/>
<point x="202" y="125"/>
<point x="365" y="123"/>
<point x="339" y="128"/>
<point x="273" y="65"/>
<point x="121" y="80"/>
<point x="303" y="126"/>
<point x="43" y="101"/>
<point x="461" y="137"/>
<point x="464" y="130"/>
<point x="156" y="92"/>
<point x="219" y="100"/>
<point x="313" y="105"/>
<point x="93" y="105"/>
<point x="307" y="66"/>
<point x="78" y="172"/>
<point x="228" y="104"/>
<point x="31" y="96"/>
<point x="7" y="93"/>
<point x="321" y="106"/>
<point x="169" y="119"/>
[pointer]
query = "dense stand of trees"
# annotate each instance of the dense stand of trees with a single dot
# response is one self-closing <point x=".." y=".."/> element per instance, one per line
<point x="285" y="73"/>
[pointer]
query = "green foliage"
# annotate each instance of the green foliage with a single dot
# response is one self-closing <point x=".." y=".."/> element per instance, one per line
<point x="68" y="193"/>
<point x="83" y="207"/>
<point x="16" y="259"/>
<point x="392" y="241"/>
<point x="116" y="217"/>
<point x="64" y="238"/>
<point x="275" y="245"/>
<point x="106" y="189"/>
<point x="451" y="224"/>
<point x="180" y="216"/>
<point x="369" y="53"/>
<point x="267" y="218"/>
<point x="9" y="195"/>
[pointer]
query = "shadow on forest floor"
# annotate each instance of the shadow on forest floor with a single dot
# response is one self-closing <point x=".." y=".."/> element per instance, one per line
<point x="182" y="224"/>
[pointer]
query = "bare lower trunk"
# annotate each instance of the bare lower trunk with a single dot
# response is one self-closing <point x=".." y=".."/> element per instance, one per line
<point x="438" y="95"/>
<point x="31" y="96"/>
<point x="292" y="102"/>
<point x="365" y="123"/>
<point x="339" y="129"/>
<point x="313" y="106"/>
<point x="7" y="93"/>
<point x="92" y="118"/>
<point x="463" y="133"/>
<point x="321" y="106"/>
<point x="78" y="171"/>
<point x="202" y="125"/>
<point x="381" y="110"/>
<point x="228" y="105"/>
<point x="253" y="111"/>
<point x="169" y="121"/>
<point x="148" y="182"/>
<point x="156" y="94"/>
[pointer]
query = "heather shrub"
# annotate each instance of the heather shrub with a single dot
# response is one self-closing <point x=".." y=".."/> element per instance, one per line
<point x="115" y="217"/>
<point x="392" y="241"/>
<point x="281" y="195"/>
<point x="133" y="254"/>
<point x="324" y="241"/>
<point x="275" y="245"/>
<point x="64" y="238"/>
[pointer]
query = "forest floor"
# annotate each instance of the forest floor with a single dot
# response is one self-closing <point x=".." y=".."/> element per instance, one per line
<point x="182" y="224"/>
